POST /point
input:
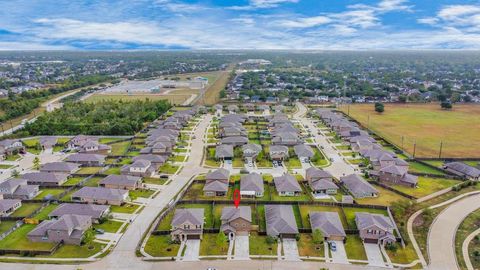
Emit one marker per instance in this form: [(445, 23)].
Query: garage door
[(371, 241), (195, 236)]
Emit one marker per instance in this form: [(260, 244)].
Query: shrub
[(271, 240)]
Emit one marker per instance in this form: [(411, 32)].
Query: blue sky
[(239, 24)]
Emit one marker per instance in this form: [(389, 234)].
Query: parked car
[(333, 246)]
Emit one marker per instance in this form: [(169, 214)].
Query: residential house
[(45, 179), (320, 181), (68, 229), (87, 159), (155, 160), (329, 224), (303, 151), (187, 224), (395, 175), (286, 138), (95, 211), (251, 151), (78, 141), (101, 195), (463, 170), (121, 182), (216, 183), (234, 140), (224, 152), (232, 109), (232, 131), (18, 189), (358, 187), (251, 185), (8, 206), (9, 147), (280, 221), (60, 167), (278, 152), (47, 142), (140, 167), (374, 228), (287, 185), (236, 220), (93, 147)]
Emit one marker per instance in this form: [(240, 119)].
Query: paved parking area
[(242, 249), (340, 255), (290, 250), (374, 255), (192, 249)]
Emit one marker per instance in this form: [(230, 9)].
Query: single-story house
[(278, 152), (101, 195), (224, 151), (280, 221), (251, 185), (251, 150), (303, 151), (140, 167), (45, 179), (121, 182), (287, 185), (8, 206), (94, 211), (60, 167), (358, 187), (69, 229), (156, 160), (234, 140), (463, 170), (329, 224), (93, 147), (87, 159), (18, 189), (47, 142)]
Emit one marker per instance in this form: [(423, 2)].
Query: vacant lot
[(426, 124), (175, 96)]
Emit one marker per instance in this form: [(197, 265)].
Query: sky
[(239, 24)]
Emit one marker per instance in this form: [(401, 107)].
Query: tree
[(270, 240), (402, 98), (223, 94), (379, 107), (316, 157), (15, 174), (36, 163), (221, 239), (446, 105), (317, 236)]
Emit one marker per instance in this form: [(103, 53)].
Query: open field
[(177, 98), (215, 86), (426, 124)]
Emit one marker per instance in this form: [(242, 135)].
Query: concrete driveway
[(192, 249), (290, 250), (374, 255), (242, 249), (340, 255)]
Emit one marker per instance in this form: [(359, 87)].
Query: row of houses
[(188, 223), (386, 167)]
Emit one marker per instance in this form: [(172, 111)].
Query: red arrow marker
[(236, 198)]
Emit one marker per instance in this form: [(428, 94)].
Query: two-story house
[(187, 224)]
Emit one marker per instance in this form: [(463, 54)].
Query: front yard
[(259, 246), (161, 246)]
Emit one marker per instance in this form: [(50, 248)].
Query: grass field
[(426, 186), (426, 124), (177, 98), (215, 86), (160, 246)]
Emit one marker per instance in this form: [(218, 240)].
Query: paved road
[(465, 245), (441, 237), (339, 166)]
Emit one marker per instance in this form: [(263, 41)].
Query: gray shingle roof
[(287, 183), (365, 220), (45, 177), (218, 174), (323, 184), (86, 158), (357, 185), (101, 193), (60, 166), (94, 211), (280, 220), (463, 169), (303, 150), (194, 216), (231, 213), (7, 204), (125, 180), (328, 223), (314, 173), (251, 182), (224, 151)]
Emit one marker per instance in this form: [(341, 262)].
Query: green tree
[(36, 163), (446, 105), (317, 236), (221, 239), (223, 93), (15, 174), (379, 107)]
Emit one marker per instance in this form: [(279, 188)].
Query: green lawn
[(109, 140), (73, 181), (306, 247), (177, 158), (126, 208), (208, 245), (68, 196), (144, 193), (93, 182), (264, 163), (165, 223), (89, 170), (321, 161), (161, 246), (26, 209), (168, 168), (207, 212), (155, 181), (113, 170), (120, 148), (110, 226), (6, 225), (31, 142), (5, 166), (421, 168), (293, 163), (403, 255), (426, 186), (302, 197), (468, 225), (49, 191), (18, 240), (33, 150), (306, 209), (12, 157), (74, 251), (354, 248), (259, 246), (385, 197), (238, 162), (42, 215)]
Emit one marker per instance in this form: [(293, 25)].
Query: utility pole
[(440, 152), (348, 109), (402, 142)]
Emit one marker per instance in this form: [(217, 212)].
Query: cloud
[(257, 4), (180, 7), (462, 18), (305, 22)]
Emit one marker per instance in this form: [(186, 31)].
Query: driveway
[(290, 250), (340, 255), (374, 254), (242, 251), (192, 249)]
